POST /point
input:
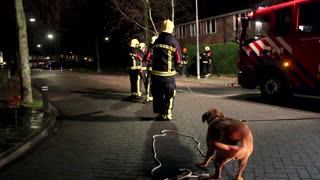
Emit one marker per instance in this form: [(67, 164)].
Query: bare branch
[(129, 18)]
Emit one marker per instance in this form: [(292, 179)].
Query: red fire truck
[(280, 49)]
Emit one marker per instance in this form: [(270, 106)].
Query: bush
[(225, 57), (3, 77)]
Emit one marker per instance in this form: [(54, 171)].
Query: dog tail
[(226, 147)]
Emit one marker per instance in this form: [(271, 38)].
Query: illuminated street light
[(107, 38), (50, 36), (38, 45), (32, 20)]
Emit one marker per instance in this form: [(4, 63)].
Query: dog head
[(211, 114)]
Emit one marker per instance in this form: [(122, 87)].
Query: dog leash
[(191, 92), (187, 173)]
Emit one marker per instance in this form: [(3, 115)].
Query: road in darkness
[(103, 136)]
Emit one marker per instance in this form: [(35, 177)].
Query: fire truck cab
[(280, 49)]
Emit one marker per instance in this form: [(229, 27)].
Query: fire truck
[(280, 49)]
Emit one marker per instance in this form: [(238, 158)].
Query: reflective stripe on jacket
[(166, 52), (206, 57), (134, 59)]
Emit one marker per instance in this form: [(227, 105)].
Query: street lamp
[(32, 20), (51, 37), (197, 32)]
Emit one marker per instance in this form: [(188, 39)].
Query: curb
[(211, 81), (18, 150)]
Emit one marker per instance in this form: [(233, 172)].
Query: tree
[(147, 15), (57, 10), (23, 53), (52, 12)]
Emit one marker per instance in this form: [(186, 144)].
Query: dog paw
[(202, 165)]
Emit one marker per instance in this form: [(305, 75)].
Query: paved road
[(102, 136)]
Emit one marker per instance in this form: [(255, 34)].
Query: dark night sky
[(85, 16), (217, 7)]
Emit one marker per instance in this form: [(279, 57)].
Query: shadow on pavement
[(295, 102), (95, 117), (172, 150), (102, 94)]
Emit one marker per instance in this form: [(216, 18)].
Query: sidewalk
[(216, 80), (22, 128)]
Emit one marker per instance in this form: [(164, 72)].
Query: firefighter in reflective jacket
[(206, 59), (143, 68), (166, 52), (134, 65), (148, 59), (184, 63)]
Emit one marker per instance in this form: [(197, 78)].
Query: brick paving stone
[(117, 144)]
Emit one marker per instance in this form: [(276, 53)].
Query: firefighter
[(166, 53), (148, 59), (134, 65), (143, 69), (184, 63), (206, 59)]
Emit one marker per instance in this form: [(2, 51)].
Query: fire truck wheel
[(273, 86)]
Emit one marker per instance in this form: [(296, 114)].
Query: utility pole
[(197, 32), (97, 55)]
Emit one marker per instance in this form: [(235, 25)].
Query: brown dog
[(232, 139)]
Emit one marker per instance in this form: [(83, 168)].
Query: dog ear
[(205, 116), (220, 113)]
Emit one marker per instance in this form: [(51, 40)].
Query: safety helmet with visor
[(167, 26), (134, 43)]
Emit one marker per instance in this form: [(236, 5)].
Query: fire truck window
[(309, 17), (283, 21), (260, 28)]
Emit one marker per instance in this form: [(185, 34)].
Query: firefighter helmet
[(142, 45), (184, 50), (167, 26), (134, 43), (207, 48)]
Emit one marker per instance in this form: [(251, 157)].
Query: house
[(219, 29)]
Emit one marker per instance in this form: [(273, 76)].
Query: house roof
[(217, 16), (209, 8)]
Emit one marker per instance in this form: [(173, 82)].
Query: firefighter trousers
[(149, 94), (143, 77), (135, 82), (163, 89), (206, 68)]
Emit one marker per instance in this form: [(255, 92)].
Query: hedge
[(3, 77), (225, 57)]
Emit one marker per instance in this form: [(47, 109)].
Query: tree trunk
[(172, 10), (97, 55), (146, 23), (24, 52)]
